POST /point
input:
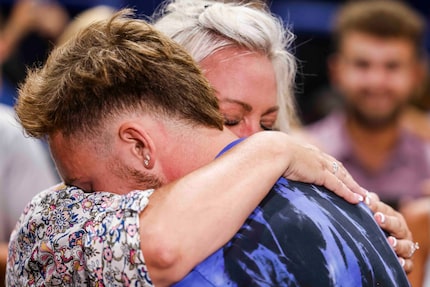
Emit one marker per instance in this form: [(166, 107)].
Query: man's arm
[(208, 206)]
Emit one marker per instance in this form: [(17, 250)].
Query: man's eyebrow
[(246, 106)]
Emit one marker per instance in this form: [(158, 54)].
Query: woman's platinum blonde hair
[(204, 27)]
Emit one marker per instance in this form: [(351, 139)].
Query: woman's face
[(245, 85)]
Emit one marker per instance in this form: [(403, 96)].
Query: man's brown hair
[(380, 18), (121, 65)]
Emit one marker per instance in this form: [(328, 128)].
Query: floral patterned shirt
[(66, 237)]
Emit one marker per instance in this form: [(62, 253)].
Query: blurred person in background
[(377, 68), (25, 167), (27, 34), (83, 19)]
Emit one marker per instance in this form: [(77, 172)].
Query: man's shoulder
[(327, 125), (55, 228), (303, 196), (39, 200), (43, 219), (51, 212), (301, 226), (77, 206), (415, 148), (328, 133)]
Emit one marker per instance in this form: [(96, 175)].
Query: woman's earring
[(147, 160)]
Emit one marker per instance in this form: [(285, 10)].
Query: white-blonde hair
[(204, 27)]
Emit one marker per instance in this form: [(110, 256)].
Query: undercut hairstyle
[(111, 67), (205, 27), (382, 19)]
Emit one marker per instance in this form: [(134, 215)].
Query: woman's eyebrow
[(246, 106)]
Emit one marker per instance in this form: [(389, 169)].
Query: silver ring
[(414, 247), (335, 166)]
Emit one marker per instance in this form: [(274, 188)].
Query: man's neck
[(191, 149)]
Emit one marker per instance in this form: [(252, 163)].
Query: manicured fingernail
[(402, 262), (380, 217), (368, 198), (359, 197), (393, 241)]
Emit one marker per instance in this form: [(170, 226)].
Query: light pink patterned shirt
[(66, 237)]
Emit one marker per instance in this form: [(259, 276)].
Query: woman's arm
[(208, 206)]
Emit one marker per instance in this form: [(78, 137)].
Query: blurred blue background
[(309, 20)]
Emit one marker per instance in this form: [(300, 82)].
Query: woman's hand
[(309, 164), (394, 224)]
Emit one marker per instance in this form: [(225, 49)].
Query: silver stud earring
[(147, 160)]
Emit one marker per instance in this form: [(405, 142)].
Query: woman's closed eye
[(266, 128), (267, 122), (231, 122), (233, 117)]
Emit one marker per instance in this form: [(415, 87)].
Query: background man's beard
[(371, 122)]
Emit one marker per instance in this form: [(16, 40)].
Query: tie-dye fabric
[(303, 235)]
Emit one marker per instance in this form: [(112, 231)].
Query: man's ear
[(138, 142)]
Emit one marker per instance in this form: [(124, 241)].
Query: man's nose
[(377, 77)]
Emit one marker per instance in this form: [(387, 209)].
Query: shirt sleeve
[(112, 244), (66, 237)]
